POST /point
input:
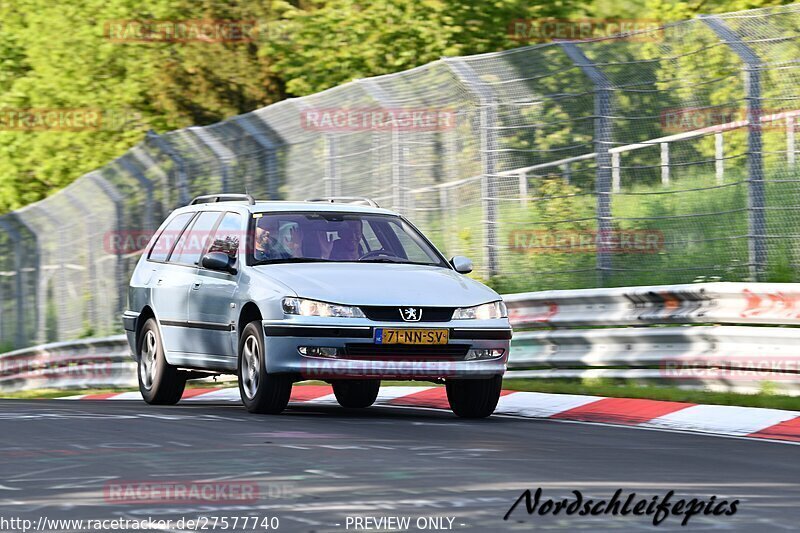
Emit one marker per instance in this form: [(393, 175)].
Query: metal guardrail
[(85, 363), (703, 334), (709, 335), (698, 303)]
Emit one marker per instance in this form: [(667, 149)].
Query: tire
[(356, 393), (474, 398), (260, 391), (159, 382)]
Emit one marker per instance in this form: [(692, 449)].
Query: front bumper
[(284, 338)]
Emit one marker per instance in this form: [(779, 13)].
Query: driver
[(347, 247)]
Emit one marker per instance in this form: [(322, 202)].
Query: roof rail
[(213, 198), (345, 200)]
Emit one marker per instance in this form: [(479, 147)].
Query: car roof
[(277, 206)]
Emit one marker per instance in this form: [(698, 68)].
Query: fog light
[(484, 353), (318, 351)]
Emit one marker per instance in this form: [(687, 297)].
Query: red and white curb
[(748, 422)]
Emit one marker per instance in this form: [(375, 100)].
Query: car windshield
[(338, 237)]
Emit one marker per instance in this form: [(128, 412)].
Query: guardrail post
[(180, 168), (19, 296), (755, 165), (603, 139), (488, 146)]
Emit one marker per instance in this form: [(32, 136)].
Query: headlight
[(303, 307), (482, 312)]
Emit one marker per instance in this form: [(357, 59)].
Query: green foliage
[(57, 55)]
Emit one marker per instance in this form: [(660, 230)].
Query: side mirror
[(218, 261), (462, 264)]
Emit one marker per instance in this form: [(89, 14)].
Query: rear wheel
[(356, 392), (159, 382), (261, 391), (474, 398)]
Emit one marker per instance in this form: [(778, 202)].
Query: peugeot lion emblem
[(411, 314)]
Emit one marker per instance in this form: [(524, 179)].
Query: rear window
[(166, 239)]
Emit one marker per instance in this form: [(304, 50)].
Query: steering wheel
[(376, 253)]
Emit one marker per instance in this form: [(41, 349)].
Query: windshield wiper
[(398, 261), (290, 260)]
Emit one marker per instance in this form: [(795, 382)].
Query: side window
[(228, 235), (194, 240), (166, 239)]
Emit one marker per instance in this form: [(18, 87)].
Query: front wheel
[(474, 398), (356, 393), (159, 382), (261, 392)]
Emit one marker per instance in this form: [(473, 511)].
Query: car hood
[(379, 284)]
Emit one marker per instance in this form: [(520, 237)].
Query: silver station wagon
[(333, 289)]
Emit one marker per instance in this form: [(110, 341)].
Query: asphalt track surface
[(315, 466)]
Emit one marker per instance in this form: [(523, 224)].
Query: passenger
[(347, 247), (291, 237), (325, 243), (267, 246)]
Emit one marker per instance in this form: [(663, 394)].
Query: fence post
[(19, 253), (398, 185), (791, 155), (134, 171), (523, 188), (755, 165), (180, 168), (220, 151), (566, 171), (91, 275), (269, 147), (719, 158), (331, 178), (488, 146), (116, 198), (603, 139), (665, 164)]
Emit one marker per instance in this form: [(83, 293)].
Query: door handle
[(196, 285), (159, 282)]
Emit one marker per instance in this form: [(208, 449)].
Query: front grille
[(363, 350), (392, 314)]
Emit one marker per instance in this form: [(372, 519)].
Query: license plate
[(411, 336)]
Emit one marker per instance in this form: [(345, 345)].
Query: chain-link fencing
[(658, 157)]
